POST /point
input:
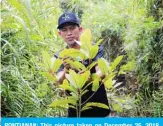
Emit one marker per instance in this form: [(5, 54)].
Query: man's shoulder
[(101, 47)]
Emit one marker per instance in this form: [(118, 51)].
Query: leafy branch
[(79, 76)]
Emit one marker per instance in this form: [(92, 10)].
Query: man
[(70, 30)]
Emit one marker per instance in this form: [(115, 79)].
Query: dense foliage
[(130, 27)]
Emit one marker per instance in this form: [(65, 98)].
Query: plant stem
[(80, 104), (86, 86), (91, 95), (77, 110)]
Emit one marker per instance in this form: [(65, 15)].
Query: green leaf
[(103, 66), (117, 107), (95, 85), (86, 108), (109, 83), (75, 95), (59, 103), (93, 51), (16, 4), (76, 65), (86, 37), (86, 43), (74, 53), (77, 80), (128, 67), (91, 65), (85, 52), (99, 42), (71, 80), (94, 104), (85, 91), (73, 77), (95, 82), (49, 76), (66, 86), (72, 100), (56, 64), (111, 75), (71, 106), (83, 78), (79, 66), (116, 62), (63, 102)]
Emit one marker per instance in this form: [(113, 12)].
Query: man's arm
[(99, 55), (61, 75), (62, 72)]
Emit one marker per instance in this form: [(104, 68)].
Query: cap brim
[(62, 25)]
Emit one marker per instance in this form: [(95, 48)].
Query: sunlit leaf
[(86, 37), (111, 75), (95, 82), (56, 65), (84, 92), (75, 77), (103, 65), (117, 107), (66, 86), (71, 80), (16, 4), (86, 53), (79, 65), (74, 53), (99, 42), (116, 62), (49, 76), (83, 78), (72, 100), (91, 65), (94, 51), (128, 67), (76, 65), (59, 103), (63, 102), (94, 104), (86, 108), (95, 85), (109, 83)]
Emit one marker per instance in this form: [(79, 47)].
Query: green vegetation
[(133, 28)]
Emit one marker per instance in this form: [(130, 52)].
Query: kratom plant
[(79, 76)]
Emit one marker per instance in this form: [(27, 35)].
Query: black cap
[(67, 17)]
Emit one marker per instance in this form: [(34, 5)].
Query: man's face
[(70, 33)]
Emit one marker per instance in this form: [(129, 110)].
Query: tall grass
[(27, 29)]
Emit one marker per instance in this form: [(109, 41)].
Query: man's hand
[(61, 74), (66, 64)]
